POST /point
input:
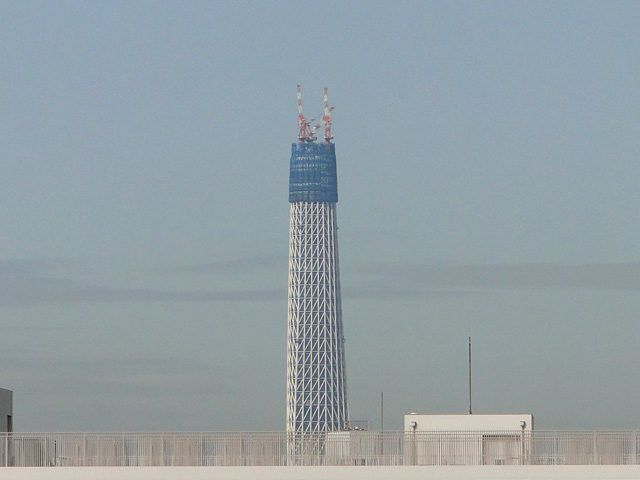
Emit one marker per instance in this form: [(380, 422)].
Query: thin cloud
[(57, 291), (381, 290), (131, 375), (244, 264), (26, 284), (27, 268), (605, 276)]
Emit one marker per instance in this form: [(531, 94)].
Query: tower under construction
[(316, 377)]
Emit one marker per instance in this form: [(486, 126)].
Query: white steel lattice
[(316, 377)]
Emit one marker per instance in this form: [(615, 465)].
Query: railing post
[(349, 448), (162, 460)]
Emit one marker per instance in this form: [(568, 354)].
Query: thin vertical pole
[(382, 411), (382, 461), (469, 375)]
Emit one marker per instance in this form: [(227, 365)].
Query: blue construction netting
[(312, 173)]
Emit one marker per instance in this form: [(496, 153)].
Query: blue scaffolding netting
[(312, 173)]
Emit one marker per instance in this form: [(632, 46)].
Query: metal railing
[(331, 448)]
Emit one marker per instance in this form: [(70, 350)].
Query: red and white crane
[(307, 133), (326, 119)]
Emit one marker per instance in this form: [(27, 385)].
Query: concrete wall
[(565, 472), (6, 410), (446, 423)]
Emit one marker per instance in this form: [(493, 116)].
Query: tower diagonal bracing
[(316, 377)]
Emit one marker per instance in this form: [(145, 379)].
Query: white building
[(467, 439), (457, 423)]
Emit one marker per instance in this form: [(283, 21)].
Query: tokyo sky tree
[(316, 377)]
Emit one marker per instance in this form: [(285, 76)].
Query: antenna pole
[(469, 375), (382, 411)]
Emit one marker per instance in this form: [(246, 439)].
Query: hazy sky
[(488, 173)]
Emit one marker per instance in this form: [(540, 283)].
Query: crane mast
[(306, 132), (326, 119)]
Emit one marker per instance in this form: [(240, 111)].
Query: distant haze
[(488, 177)]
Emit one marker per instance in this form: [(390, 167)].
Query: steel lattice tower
[(316, 377)]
